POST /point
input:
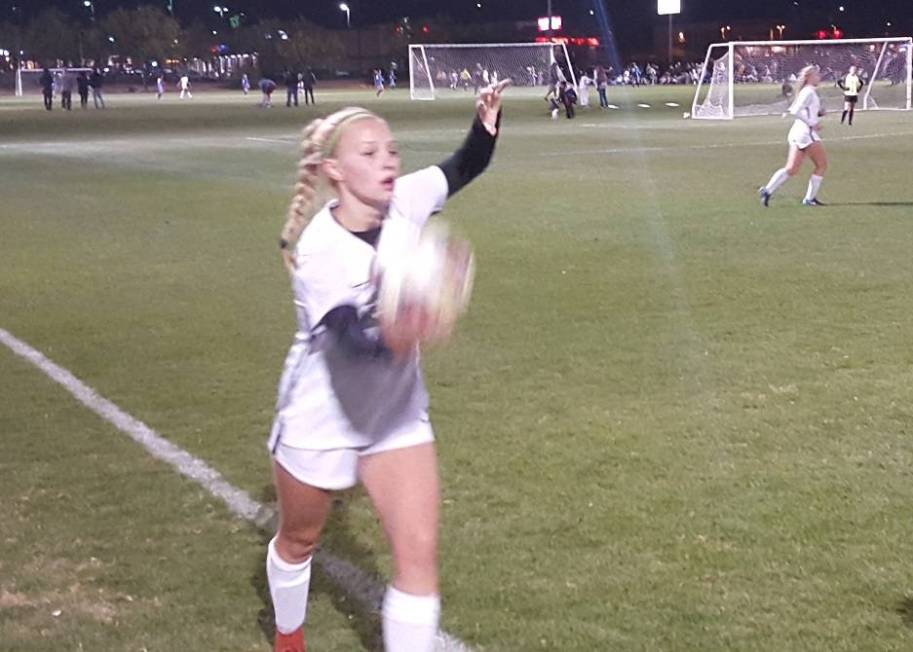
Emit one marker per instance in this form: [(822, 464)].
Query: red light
[(590, 41), (822, 35), (838, 33), (425, 29)]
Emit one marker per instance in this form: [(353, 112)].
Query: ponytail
[(318, 141)]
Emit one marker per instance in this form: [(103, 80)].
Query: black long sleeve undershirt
[(472, 158)]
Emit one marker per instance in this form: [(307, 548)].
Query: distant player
[(184, 85), (378, 82), (352, 406), (245, 84), (804, 140), (567, 96), (267, 86), (851, 85), (583, 92), (160, 86)]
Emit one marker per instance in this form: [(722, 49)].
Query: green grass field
[(672, 420)]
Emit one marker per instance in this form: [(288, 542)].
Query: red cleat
[(293, 642)]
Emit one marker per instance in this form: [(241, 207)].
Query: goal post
[(436, 68), (27, 78), (755, 78)]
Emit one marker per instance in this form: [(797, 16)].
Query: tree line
[(147, 34)]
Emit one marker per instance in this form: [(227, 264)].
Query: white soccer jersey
[(329, 398), (807, 105)]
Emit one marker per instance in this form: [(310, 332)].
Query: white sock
[(410, 621), (814, 185), (778, 179), (288, 586)]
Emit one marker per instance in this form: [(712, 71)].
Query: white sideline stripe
[(353, 580), (284, 141), (673, 148)]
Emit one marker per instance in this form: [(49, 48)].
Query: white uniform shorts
[(802, 136), (337, 468)]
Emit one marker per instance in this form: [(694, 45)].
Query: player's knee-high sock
[(814, 185), (288, 586), (852, 112), (778, 179), (843, 117), (410, 621)]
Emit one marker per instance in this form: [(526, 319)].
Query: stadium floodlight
[(219, 9), (754, 78), (344, 7), (669, 8)]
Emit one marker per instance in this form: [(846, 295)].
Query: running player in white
[(352, 406), (804, 140), (184, 85), (850, 85)]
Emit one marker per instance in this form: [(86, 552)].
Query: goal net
[(440, 70), (759, 77), (28, 80)]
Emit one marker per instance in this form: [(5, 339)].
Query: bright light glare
[(666, 7)]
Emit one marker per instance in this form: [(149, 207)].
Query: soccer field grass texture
[(671, 421)]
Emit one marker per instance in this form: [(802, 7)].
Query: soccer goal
[(752, 78), (28, 80), (436, 69)]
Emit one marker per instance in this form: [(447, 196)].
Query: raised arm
[(474, 155)]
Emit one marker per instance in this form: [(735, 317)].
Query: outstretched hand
[(489, 105)]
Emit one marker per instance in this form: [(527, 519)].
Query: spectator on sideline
[(291, 88), (47, 88), (245, 84), (82, 85), (309, 80), (602, 82), (67, 84), (97, 81)]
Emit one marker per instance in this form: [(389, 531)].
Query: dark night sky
[(861, 18)]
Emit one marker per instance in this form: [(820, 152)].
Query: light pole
[(345, 7), (780, 28), (220, 10), (88, 4)]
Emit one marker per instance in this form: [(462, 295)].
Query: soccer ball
[(430, 283)]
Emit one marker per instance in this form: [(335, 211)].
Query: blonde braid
[(318, 141)]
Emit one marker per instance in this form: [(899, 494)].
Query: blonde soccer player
[(804, 140), (352, 406), (851, 84)]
